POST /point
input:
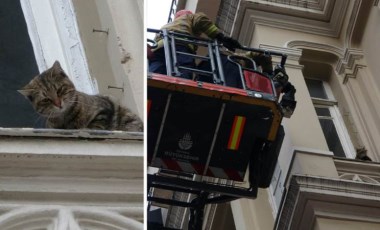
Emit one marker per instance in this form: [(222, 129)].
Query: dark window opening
[(326, 119), (17, 67), (316, 89)]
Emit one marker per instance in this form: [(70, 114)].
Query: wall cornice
[(349, 60), (311, 197), (350, 64), (316, 46), (322, 18)]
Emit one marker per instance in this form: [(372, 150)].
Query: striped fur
[(53, 95)]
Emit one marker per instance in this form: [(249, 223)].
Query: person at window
[(193, 24)]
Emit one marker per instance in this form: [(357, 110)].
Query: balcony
[(352, 200)]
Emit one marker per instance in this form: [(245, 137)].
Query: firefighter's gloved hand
[(228, 42), (266, 63), (280, 75), (288, 107)]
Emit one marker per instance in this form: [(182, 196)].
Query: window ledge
[(324, 101), (71, 133), (28, 142)]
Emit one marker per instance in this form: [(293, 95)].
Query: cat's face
[(51, 92)]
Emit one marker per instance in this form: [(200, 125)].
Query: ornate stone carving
[(359, 178), (55, 35), (324, 17), (54, 217), (71, 42)]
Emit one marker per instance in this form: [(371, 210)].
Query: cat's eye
[(61, 91), (46, 100)]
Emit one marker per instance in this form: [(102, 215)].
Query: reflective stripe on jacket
[(191, 24)]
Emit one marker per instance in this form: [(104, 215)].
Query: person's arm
[(202, 24)]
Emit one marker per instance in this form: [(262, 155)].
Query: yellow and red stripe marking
[(236, 132)]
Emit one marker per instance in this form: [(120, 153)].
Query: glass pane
[(316, 88), (332, 138), (323, 112)]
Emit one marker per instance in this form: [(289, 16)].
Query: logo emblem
[(185, 143)]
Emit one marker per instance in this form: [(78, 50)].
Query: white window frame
[(337, 118), (54, 34), (277, 183)]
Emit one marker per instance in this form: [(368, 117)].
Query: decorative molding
[(54, 217), (357, 167), (350, 60), (316, 46), (63, 11), (54, 35), (352, 22), (33, 34), (309, 197), (39, 173), (317, 5), (359, 178), (326, 21), (353, 73), (350, 64)]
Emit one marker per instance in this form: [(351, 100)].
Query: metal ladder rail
[(170, 54), (233, 59), (212, 56), (271, 53)]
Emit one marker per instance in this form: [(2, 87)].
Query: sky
[(157, 12)]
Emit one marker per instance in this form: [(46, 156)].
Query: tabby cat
[(54, 96)]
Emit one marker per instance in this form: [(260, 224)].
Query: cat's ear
[(27, 93), (57, 69)]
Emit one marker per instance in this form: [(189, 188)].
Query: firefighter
[(193, 24), (282, 85)]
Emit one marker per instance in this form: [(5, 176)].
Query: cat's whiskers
[(48, 117)]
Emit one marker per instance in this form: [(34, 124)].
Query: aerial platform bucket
[(207, 129)]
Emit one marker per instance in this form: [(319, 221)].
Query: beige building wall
[(113, 37), (324, 223), (355, 87)]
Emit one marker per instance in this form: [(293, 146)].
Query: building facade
[(71, 179), (324, 178)]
